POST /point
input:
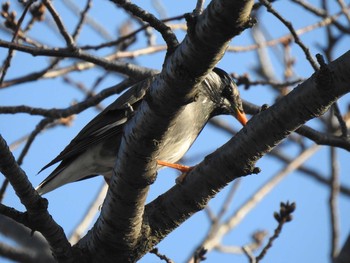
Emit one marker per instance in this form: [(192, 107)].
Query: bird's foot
[(184, 169)]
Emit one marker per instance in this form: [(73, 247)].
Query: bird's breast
[(175, 147), (181, 135)]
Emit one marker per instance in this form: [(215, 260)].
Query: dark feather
[(102, 126)]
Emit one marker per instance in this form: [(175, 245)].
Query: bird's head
[(225, 95)]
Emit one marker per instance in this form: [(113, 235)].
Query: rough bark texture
[(115, 234), (238, 157), (37, 217)]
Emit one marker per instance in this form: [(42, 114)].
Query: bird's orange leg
[(182, 168)]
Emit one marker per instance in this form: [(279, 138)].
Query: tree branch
[(24, 237), (128, 69), (36, 206), (238, 157), (202, 48), (344, 254)]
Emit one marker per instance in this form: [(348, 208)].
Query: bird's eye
[(227, 92)]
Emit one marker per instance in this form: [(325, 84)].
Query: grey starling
[(94, 150)]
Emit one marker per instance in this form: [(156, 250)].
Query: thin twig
[(290, 27), (249, 254), (89, 215), (90, 21), (52, 72), (199, 8), (119, 66), (82, 19), (333, 204), (31, 76), (326, 21), (67, 37), (212, 240), (342, 123), (324, 138), (284, 216), (309, 7), (16, 254), (161, 256), (229, 199), (3, 188), (210, 214), (311, 173), (10, 51), (322, 13), (344, 9), (167, 34), (130, 35), (80, 86), (160, 8), (41, 125), (264, 66), (74, 109), (244, 80), (29, 139), (257, 241)]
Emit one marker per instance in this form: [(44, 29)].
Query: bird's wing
[(108, 123)]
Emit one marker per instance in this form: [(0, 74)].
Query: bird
[(94, 150)]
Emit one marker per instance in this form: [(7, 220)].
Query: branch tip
[(324, 76), (256, 170)]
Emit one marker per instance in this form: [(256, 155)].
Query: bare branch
[(284, 216), (333, 204), (81, 229), (77, 108), (328, 20), (36, 207), (199, 7), (67, 37), (213, 238), (122, 67), (16, 254), (165, 31), (289, 25), (90, 21), (10, 50), (186, 67), (160, 256)]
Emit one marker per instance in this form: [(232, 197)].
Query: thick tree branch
[(33, 242), (36, 206), (238, 157), (215, 235), (183, 71), (22, 235), (16, 254), (322, 138)]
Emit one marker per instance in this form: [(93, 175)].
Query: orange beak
[(241, 117)]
